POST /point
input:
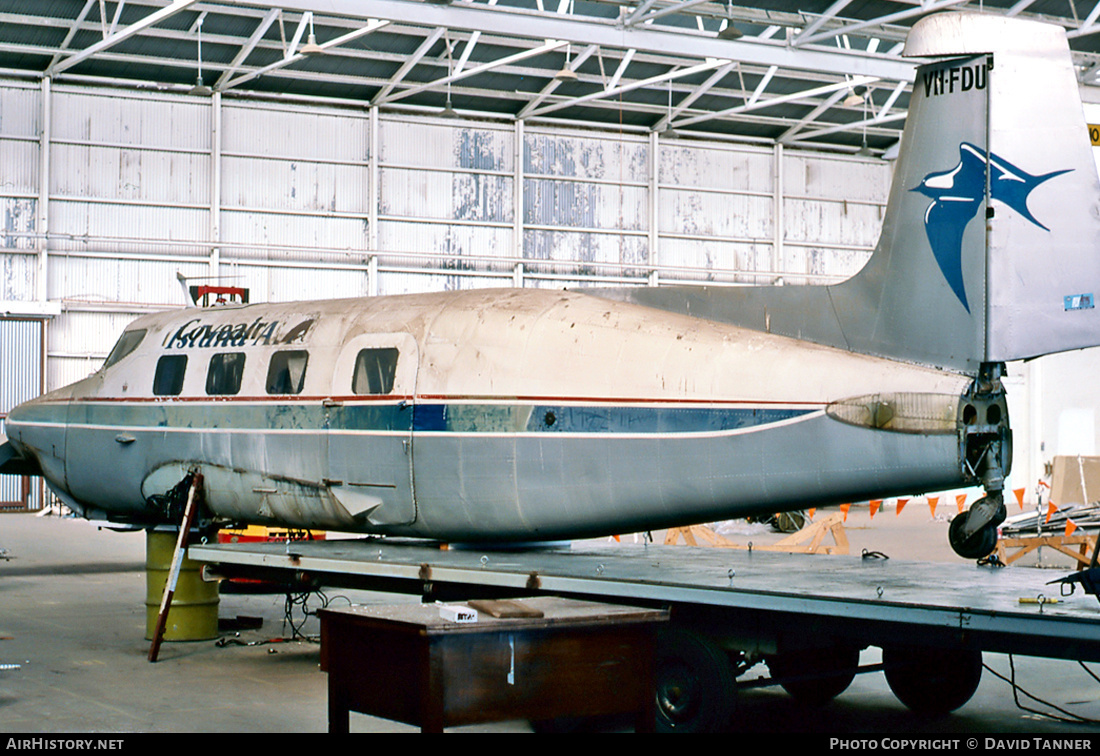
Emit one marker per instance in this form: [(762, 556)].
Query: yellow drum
[(194, 612)]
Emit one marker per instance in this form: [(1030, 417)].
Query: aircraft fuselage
[(488, 415)]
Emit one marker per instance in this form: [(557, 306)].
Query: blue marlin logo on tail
[(956, 196)]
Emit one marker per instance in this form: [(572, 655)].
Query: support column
[(42, 221), (373, 202), (215, 184), (654, 207), (777, 222), (517, 203)]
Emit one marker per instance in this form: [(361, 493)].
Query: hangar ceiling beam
[(372, 25), (1019, 7), (409, 64), (548, 90), (760, 104), (73, 29), (788, 136), (828, 15), (610, 34), (889, 18), (675, 74), (696, 93), (248, 47), (1088, 26), (135, 28), (855, 125), (677, 8), (549, 46)]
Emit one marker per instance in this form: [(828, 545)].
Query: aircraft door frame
[(370, 434)]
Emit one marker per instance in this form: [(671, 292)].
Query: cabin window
[(168, 380), (225, 373), (374, 371), (287, 372), (127, 343)]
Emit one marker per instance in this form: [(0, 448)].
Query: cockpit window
[(225, 373), (286, 374), (374, 371), (127, 343), (168, 380)]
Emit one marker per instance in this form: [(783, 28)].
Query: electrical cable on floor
[(1069, 717), (291, 601), (300, 599)]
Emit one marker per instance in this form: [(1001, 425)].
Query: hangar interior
[(316, 150)]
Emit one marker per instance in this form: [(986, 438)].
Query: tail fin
[(990, 247)]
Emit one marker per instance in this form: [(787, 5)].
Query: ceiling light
[(566, 73), (200, 89), (448, 111), (311, 47), (853, 100), (730, 32)]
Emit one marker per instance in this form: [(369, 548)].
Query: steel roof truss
[(549, 46), (372, 25), (121, 36), (248, 47)]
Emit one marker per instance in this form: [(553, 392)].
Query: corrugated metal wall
[(20, 107), (20, 380), (300, 201)]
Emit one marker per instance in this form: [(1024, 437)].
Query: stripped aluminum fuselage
[(513, 415)]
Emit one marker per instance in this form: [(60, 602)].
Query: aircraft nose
[(26, 420)]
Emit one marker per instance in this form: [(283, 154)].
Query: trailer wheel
[(815, 676), (932, 680), (694, 683)]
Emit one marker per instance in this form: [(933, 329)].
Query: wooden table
[(407, 663)]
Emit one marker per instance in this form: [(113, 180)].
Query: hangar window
[(374, 371), (225, 373), (287, 372), (168, 380), (127, 343)]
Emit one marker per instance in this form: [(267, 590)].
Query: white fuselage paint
[(513, 414)]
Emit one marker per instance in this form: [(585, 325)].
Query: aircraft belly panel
[(370, 474), (524, 486)]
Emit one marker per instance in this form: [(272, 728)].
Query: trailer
[(807, 617)]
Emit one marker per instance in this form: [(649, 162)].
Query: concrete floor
[(73, 654)]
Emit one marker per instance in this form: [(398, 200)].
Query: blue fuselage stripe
[(436, 417)]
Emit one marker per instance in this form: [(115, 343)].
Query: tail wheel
[(932, 680), (694, 683), (815, 676)]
